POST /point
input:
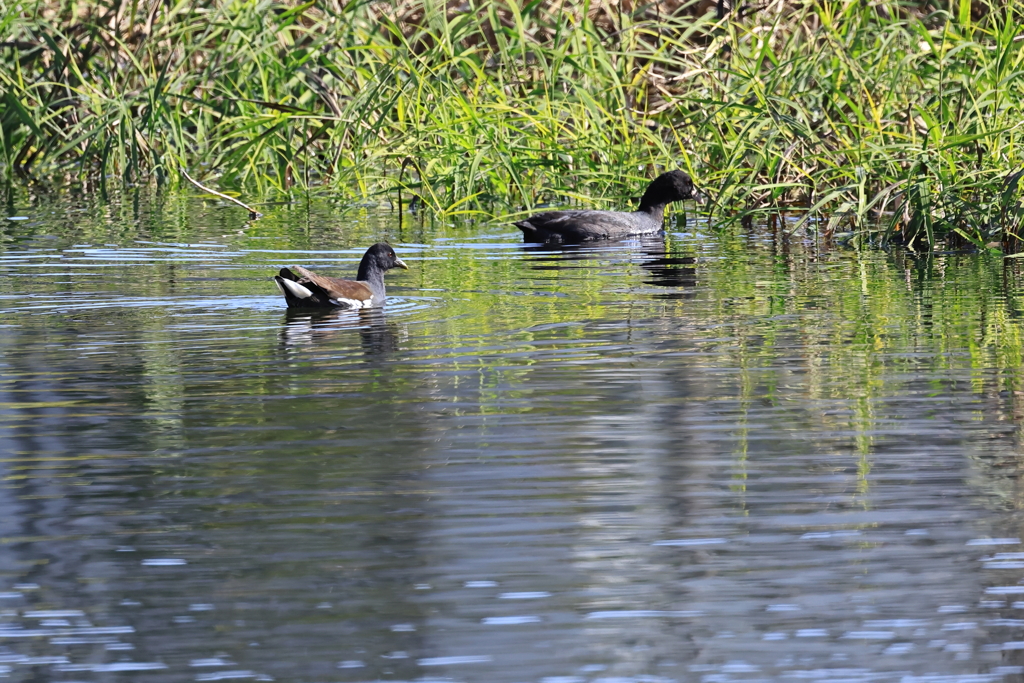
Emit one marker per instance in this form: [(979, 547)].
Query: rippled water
[(718, 457)]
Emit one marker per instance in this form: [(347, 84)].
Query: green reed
[(864, 117), (912, 122)]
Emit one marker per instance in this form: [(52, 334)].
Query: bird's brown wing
[(338, 288)]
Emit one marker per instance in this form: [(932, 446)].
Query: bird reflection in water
[(665, 267), (670, 270), (307, 328)]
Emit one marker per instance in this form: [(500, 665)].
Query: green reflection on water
[(849, 319)]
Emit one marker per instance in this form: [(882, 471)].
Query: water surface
[(717, 457)]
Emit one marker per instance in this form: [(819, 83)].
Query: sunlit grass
[(880, 120)]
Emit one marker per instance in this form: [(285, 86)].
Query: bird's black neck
[(652, 203), (655, 211), (367, 272)]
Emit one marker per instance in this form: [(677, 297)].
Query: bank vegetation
[(900, 122)]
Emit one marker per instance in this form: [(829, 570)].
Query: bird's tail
[(295, 294)]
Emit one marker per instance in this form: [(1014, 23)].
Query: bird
[(319, 291), (585, 225)]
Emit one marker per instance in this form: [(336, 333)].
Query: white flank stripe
[(353, 303)]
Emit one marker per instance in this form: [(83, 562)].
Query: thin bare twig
[(253, 213)]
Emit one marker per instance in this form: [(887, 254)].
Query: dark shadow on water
[(307, 328), (556, 256), (653, 254), (668, 269)]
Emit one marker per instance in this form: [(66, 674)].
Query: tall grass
[(863, 115), (914, 121)]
